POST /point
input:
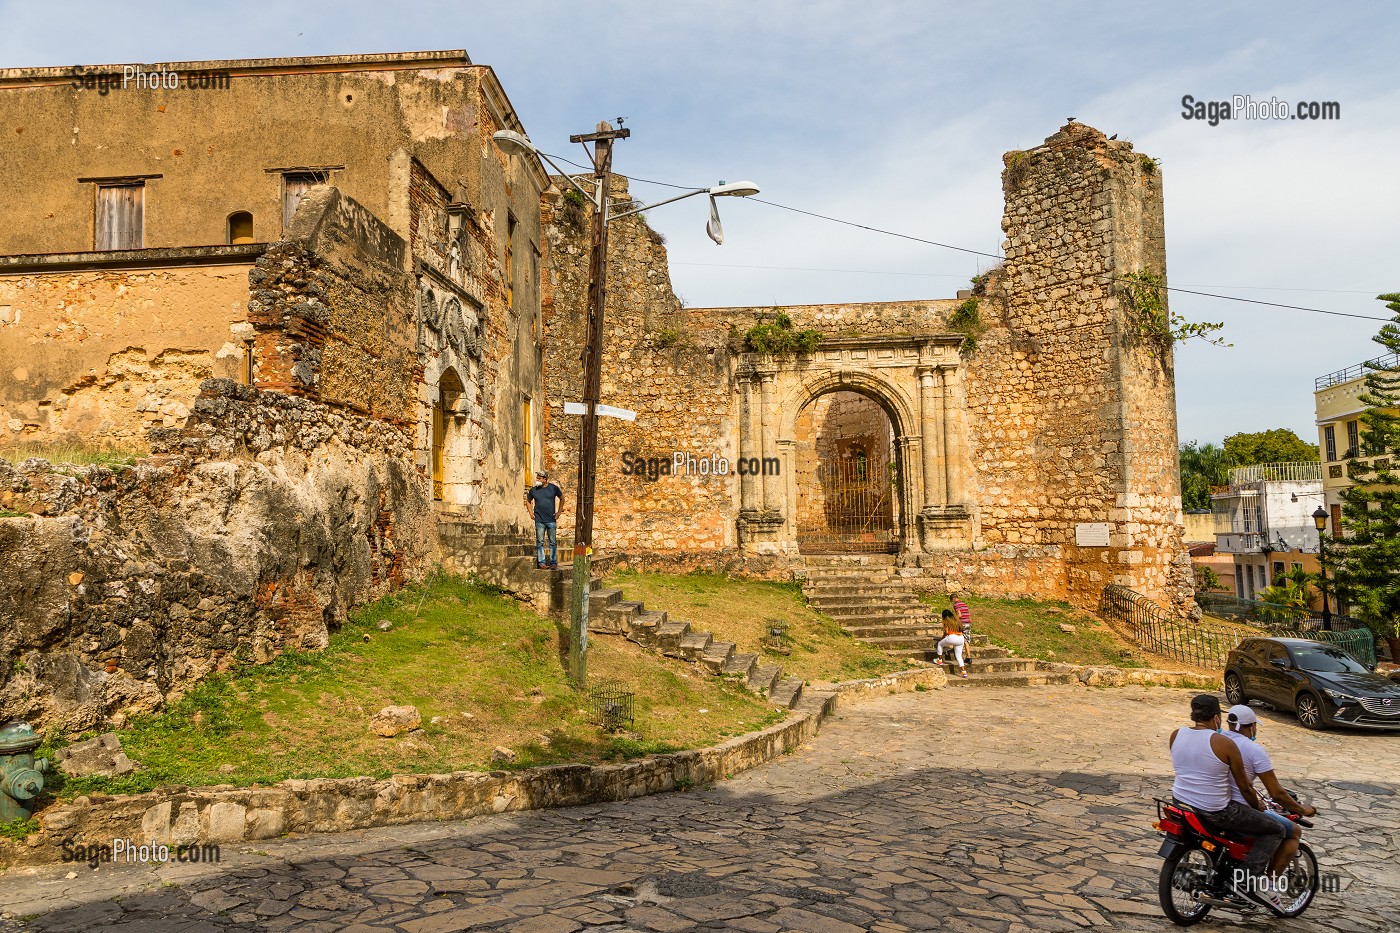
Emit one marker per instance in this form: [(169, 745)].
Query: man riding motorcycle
[(1244, 730), (1207, 766)]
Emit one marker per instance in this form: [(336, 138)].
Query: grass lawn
[(740, 611), (59, 453), (488, 669)]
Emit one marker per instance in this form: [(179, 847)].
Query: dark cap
[(1204, 706)]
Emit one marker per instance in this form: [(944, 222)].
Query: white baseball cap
[(1242, 715)]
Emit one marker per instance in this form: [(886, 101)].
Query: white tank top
[(1202, 779)]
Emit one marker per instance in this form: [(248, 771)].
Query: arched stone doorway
[(449, 458), (847, 477)]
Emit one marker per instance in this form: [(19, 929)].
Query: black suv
[(1323, 684)]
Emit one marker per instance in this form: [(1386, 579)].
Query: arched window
[(240, 227)]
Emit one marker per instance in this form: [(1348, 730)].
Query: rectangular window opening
[(1329, 438), (294, 188)]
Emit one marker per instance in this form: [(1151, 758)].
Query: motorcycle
[(1200, 862)]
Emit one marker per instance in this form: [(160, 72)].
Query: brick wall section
[(333, 311)]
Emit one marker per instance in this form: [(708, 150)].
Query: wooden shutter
[(294, 188), (120, 216)]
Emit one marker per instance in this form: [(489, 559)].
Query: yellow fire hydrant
[(21, 776)]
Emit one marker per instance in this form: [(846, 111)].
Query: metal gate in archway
[(859, 508)]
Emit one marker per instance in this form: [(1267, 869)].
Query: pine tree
[(1365, 561)]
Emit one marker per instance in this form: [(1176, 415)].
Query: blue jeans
[(543, 529)]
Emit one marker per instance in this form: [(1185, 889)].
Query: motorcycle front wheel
[(1184, 874), (1303, 880)]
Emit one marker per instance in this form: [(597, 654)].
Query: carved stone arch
[(897, 404)]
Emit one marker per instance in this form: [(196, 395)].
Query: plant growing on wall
[(1144, 293), (1365, 561), (1017, 167), (780, 335), (966, 319)]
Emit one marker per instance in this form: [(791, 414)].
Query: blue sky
[(895, 115)]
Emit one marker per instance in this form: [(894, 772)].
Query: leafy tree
[(1365, 561), (1277, 446), (1202, 466), (1292, 589)]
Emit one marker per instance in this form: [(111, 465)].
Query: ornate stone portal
[(914, 380)]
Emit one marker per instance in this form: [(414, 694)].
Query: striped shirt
[(964, 613)]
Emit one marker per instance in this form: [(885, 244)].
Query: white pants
[(956, 643)]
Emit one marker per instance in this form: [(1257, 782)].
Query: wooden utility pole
[(602, 141)]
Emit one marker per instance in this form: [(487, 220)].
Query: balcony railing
[(1355, 372), (1279, 472), (1238, 542)]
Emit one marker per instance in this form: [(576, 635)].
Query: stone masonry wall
[(674, 374), (1060, 416), (254, 529), (1094, 400)]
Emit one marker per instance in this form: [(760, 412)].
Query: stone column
[(748, 497), (952, 474), (931, 427), (772, 485), (906, 447)]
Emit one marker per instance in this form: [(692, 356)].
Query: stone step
[(1012, 679), (763, 678), (873, 615), (717, 656), (617, 617), (980, 664), (741, 664), (854, 587), (787, 692), (894, 630), (693, 645), (669, 635), (844, 602), (927, 642), (826, 561), (644, 625), (600, 599)]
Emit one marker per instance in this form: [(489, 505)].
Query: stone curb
[(224, 814), (1104, 676)]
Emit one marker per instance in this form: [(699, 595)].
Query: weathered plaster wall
[(105, 354), (255, 529)]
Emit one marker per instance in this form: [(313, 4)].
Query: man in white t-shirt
[(1244, 727)]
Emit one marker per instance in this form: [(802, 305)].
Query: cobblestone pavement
[(1017, 809)]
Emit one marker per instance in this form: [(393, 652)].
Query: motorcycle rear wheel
[(1184, 874)]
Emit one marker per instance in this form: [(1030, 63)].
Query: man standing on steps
[(546, 502)]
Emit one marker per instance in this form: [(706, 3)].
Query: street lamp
[(1320, 520), (513, 143)]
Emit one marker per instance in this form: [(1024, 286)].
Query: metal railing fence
[(1207, 643)]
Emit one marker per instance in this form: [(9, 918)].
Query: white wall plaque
[(1091, 534)]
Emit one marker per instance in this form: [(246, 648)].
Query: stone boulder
[(99, 757), (1102, 677), (395, 720)]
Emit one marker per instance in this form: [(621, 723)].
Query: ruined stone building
[(337, 326), (1020, 440), (311, 288)]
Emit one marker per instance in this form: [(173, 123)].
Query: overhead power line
[(1000, 257)]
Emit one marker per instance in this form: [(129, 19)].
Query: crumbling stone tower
[(1083, 370)]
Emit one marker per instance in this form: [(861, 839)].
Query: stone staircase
[(866, 595), (609, 613)]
